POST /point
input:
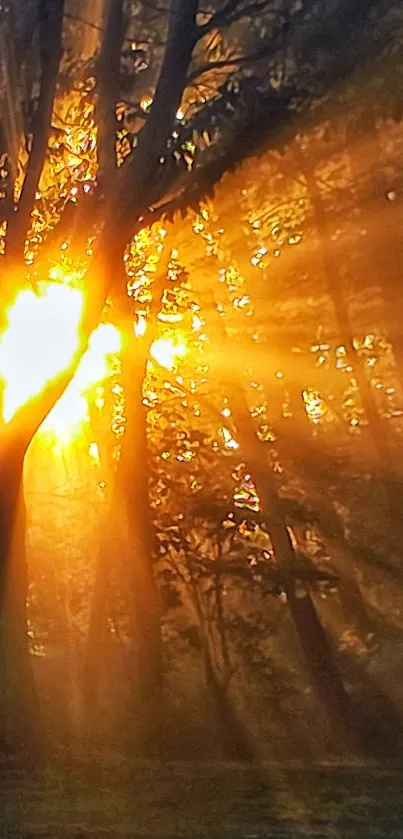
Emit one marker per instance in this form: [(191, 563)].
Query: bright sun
[(40, 341)]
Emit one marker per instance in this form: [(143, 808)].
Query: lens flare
[(40, 341)]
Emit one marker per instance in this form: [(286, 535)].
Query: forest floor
[(215, 801)]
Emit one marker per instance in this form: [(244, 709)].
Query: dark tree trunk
[(146, 671), (182, 38), (232, 731), (51, 25), (218, 672), (324, 675), (95, 645), (382, 248), (129, 508), (146, 653), (380, 256), (108, 92), (319, 658), (313, 464), (22, 724), (334, 282)]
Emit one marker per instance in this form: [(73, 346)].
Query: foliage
[(129, 199)]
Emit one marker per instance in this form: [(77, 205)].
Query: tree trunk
[(232, 731), (108, 93), (100, 610), (218, 672), (334, 282), (22, 724), (382, 216), (182, 37), (95, 643), (92, 14), (50, 44), (11, 480), (324, 675), (381, 255), (146, 652), (313, 465), (129, 502)]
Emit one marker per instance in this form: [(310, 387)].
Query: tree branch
[(231, 13), (182, 38), (108, 93), (250, 58), (51, 22)]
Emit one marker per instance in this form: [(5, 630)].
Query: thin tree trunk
[(51, 25), (324, 675), (383, 246), (22, 719), (235, 740), (95, 641), (107, 97), (129, 508), (231, 729), (313, 466), (93, 13), (182, 38), (108, 92), (318, 655), (146, 652), (11, 479), (381, 254), (334, 282), (100, 610)]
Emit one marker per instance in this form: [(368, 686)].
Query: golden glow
[(140, 327), (146, 103), (315, 406), (229, 441), (93, 452), (168, 349), (71, 411), (40, 341)]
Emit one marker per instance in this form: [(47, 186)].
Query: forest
[(201, 386)]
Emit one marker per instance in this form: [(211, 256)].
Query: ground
[(171, 801)]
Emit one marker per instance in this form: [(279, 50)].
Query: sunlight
[(168, 349), (72, 410), (315, 406), (40, 341)]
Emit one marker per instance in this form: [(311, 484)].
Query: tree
[(172, 149)]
